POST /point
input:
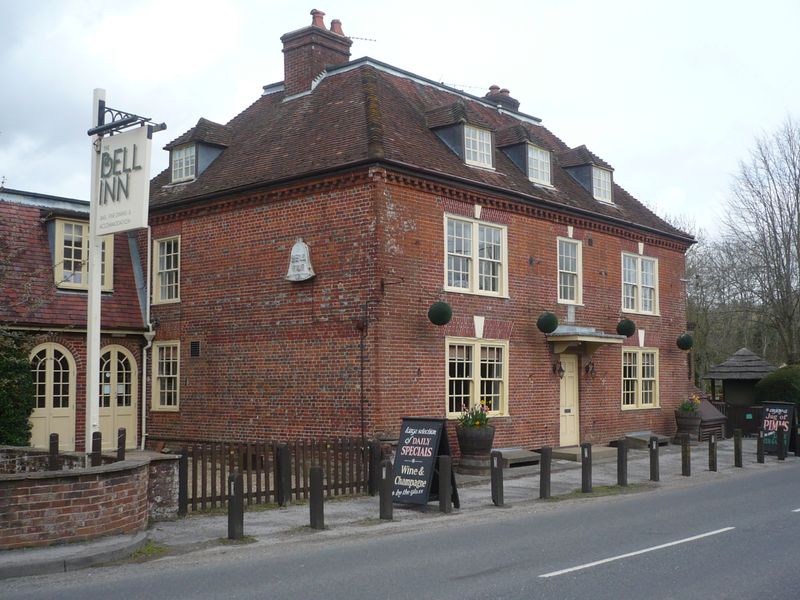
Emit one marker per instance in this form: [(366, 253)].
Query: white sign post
[(120, 193)]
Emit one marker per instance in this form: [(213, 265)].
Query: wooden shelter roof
[(742, 364)]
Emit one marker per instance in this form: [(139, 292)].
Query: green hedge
[(782, 385), (16, 390)]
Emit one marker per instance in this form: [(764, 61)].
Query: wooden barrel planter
[(687, 423), (476, 447)]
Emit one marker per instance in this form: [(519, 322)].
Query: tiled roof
[(365, 111), (28, 292), (581, 156), (205, 131), (742, 364)]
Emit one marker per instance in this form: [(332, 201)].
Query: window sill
[(480, 166), (630, 408), (164, 409), (570, 303), (641, 314), (474, 293), (541, 184), (161, 302)]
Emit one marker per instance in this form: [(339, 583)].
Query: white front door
[(117, 396), (54, 407), (570, 421)]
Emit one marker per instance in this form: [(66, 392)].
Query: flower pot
[(475, 444), (687, 423)]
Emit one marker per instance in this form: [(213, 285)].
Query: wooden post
[(445, 489), (121, 444), (760, 446), (654, 474), (97, 441), (781, 443), (54, 460), (622, 462), (686, 456), (712, 452), (183, 483), (586, 468), (283, 476), (374, 467), (545, 463), (235, 506), (496, 470), (316, 503), (737, 447), (386, 506)]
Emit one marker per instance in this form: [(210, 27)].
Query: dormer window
[(538, 165), (478, 147), (183, 163), (601, 184)]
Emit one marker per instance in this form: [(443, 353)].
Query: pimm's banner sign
[(775, 415)]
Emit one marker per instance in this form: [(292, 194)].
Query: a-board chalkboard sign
[(778, 414), (416, 475)]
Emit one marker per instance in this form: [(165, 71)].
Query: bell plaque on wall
[(300, 268)]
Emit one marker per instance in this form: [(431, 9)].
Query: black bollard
[(797, 442), (374, 467), (760, 447), (121, 434), (654, 474), (622, 462), (445, 489), (496, 470), (386, 490), (183, 483), (97, 442), (316, 503), (53, 460), (283, 476), (586, 468), (686, 456), (737, 447), (781, 443), (235, 506), (545, 464), (712, 452)]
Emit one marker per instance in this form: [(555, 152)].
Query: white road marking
[(629, 554), (796, 510)]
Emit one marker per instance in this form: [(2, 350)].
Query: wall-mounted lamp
[(589, 369), (558, 369)]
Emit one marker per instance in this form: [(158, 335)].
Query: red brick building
[(405, 193), (44, 242)]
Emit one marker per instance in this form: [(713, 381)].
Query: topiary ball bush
[(685, 341), (547, 322), (440, 313), (782, 385), (626, 327)]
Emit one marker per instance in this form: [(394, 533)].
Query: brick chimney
[(502, 97), (307, 51)]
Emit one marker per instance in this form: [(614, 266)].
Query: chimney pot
[(336, 27), (317, 20), (493, 89), (505, 92)]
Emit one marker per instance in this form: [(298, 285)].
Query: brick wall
[(41, 509), (282, 360)]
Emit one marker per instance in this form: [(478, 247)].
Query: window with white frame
[(639, 378), (167, 269), (478, 146), (476, 257), (166, 376), (538, 165), (72, 256), (477, 373), (183, 163), (601, 184), (639, 284), (570, 277)]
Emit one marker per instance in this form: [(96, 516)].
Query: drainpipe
[(148, 336)]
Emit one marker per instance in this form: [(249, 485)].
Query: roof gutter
[(414, 169)]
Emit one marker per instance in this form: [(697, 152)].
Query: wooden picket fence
[(344, 463)]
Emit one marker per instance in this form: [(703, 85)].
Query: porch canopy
[(587, 339)]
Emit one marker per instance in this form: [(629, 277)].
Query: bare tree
[(761, 239)]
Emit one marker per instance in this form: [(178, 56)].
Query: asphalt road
[(731, 539)]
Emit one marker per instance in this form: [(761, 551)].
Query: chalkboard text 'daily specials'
[(415, 460)]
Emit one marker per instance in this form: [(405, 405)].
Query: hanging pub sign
[(124, 187), (775, 415), (416, 474)]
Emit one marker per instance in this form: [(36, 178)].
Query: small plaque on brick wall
[(300, 268)]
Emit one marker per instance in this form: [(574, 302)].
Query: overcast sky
[(671, 94)]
